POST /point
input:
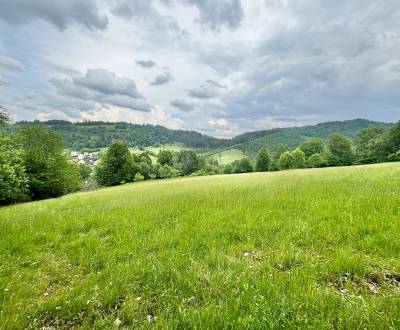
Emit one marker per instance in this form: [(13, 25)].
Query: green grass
[(296, 249), (227, 156)]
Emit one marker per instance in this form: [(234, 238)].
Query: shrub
[(139, 177), (242, 166)]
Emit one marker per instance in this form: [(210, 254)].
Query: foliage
[(340, 150), (311, 147), (13, 178), (50, 172), (165, 157), (228, 169), (317, 160), (394, 138), (298, 159), (139, 177), (84, 171), (115, 166), (4, 116), (188, 162), (286, 161), (263, 161), (368, 146), (242, 166)]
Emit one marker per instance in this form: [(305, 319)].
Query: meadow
[(315, 248)]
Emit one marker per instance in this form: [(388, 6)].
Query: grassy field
[(227, 156), (296, 249)]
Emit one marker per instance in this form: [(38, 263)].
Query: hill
[(251, 143), (293, 249), (91, 135)]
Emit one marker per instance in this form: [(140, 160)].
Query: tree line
[(34, 165)]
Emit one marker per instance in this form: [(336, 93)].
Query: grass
[(227, 156), (296, 249)]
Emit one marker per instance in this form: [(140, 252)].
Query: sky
[(221, 67)]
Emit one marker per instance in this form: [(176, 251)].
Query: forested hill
[(101, 134), (251, 143)]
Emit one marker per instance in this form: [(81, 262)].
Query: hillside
[(293, 249), (92, 135), (251, 143)]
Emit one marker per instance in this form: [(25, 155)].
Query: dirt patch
[(373, 283)]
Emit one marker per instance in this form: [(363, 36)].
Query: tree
[(84, 171), (4, 116), (242, 166), (394, 138), (165, 157), (298, 159), (13, 178), (340, 150), (116, 166), (228, 169), (286, 161), (49, 170), (311, 147), (263, 160), (366, 145), (317, 160), (188, 162)]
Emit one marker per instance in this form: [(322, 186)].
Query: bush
[(317, 160), (139, 177), (311, 147), (165, 157), (188, 162)]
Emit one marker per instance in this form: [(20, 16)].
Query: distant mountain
[(92, 135), (250, 143)]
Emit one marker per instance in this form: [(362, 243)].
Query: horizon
[(222, 68)]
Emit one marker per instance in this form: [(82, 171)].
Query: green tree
[(84, 171), (228, 169), (366, 145), (4, 116), (188, 162), (298, 159), (242, 166), (394, 138), (13, 178), (286, 161), (311, 147), (165, 157), (340, 150), (317, 160), (263, 160), (116, 166), (49, 170)]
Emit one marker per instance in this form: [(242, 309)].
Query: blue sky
[(222, 67)]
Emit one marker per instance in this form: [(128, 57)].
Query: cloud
[(208, 90), (183, 105), (107, 82), (59, 13), (98, 87), (162, 79), (146, 64), (217, 14), (10, 63)]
